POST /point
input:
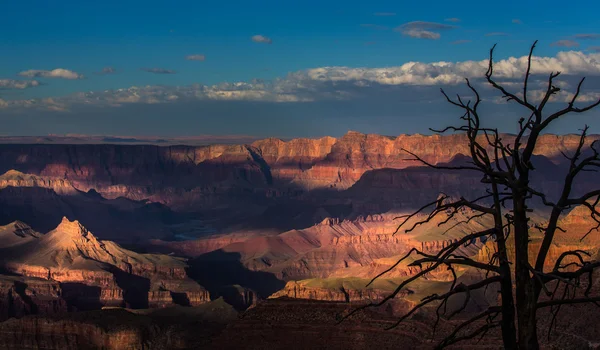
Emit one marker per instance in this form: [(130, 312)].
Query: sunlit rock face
[(92, 273), (304, 290), (144, 171)]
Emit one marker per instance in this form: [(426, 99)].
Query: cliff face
[(580, 226), (67, 333), (303, 290), (21, 296), (140, 171), (355, 153), (102, 166), (13, 178), (269, 184), (94, 273)]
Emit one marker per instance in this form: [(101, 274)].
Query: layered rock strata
[(94, 273)]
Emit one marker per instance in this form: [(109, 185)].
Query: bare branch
[(461, 288), (452, 338), (509, 96), (548, 303)]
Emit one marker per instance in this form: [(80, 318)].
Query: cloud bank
[(411, 80)]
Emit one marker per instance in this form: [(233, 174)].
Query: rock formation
[(93, 273), (14, 178), (20, 296), (141, 171), (310, 290), (15, 234)]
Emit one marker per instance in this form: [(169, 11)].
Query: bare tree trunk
[(509, 331), (508, 306), (525, 288)]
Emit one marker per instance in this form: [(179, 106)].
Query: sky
[(280, 68)]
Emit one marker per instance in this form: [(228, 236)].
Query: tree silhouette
[(505, 165)]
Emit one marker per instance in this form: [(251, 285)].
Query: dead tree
[(505, 165)]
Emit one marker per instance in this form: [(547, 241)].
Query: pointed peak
[(73, 228), (65, 222)]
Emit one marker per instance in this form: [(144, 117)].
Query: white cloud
[(55, 73), (563, 96), (421, 34), (517, 21), (417, 73), (262, 39), (453, 20), (423, 30), (496, 34), (195, 57), (327, 83), (18, 84)]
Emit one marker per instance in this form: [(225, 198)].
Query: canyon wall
[(303, 290), (142, 171), (20, 296)]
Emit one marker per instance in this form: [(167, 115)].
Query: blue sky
[(86, 37)]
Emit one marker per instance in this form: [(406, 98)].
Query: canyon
[(143, 233)]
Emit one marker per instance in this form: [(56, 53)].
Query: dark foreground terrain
[(272, 324)]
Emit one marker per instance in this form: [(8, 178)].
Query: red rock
[(95, 272)]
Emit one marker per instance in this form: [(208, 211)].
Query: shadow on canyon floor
[(81, 297), (218, 270)]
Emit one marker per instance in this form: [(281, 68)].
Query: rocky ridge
[(92, 273), (135, 171)]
